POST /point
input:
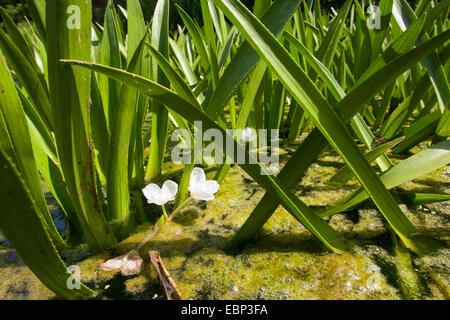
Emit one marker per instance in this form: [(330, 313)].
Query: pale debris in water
[(112, 264), (131, 264)]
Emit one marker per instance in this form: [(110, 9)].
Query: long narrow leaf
[(297, 208), (324, 117)]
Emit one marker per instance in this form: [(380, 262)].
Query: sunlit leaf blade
[(419, 199), (405, 16), (329, 44), (110, 55), (136, 31), (18, 39), (15, 141), (298, 209), (379, 34), (407, 170), (275, 18), (357, 123), (175, 79), (443, 128), (37, 12), (69, 92), (31, 81), (345, 174), (118, 169), (304, 91), (18, 215), (419, 131), (197, 37), (315, 143), (160, 115), (46, 159)]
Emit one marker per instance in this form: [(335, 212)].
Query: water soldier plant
[(88, 110)]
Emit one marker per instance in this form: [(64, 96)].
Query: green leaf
[(275, 18), (379, 35), (136, 27), (188, 72), (69, 96), (309, 98), (160, 115), (37, 12), (260, 7), (406, 108), (174, 78), (329, 44), (15, 141), (315, 143), (443, 128), (26, 73), (345, 174), (19, 216), (419, 131), (174, 102), (118, 187), (412, 168), (208, 24), (357, 123), (405, 16), (197, 37), (110, 55), (136, 31), (419, 199), (254, 89), (18, 39), (46, 159)]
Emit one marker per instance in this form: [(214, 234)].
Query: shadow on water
[(281, 243), (116, 289)]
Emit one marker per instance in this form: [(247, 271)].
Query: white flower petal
[(205, 197), (201, 194), (154, 194), (169, 190), (160, 201), (200, 188), (212, 186), (197, 177), (151, 190)]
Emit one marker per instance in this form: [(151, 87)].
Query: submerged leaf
[(133, 264)]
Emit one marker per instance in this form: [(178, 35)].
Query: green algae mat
[(141, 160), (284, 261)]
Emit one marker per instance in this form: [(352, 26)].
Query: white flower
[(248, 135), (161, 196), (200, 188)]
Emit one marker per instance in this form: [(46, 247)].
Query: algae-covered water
[(284, 261)]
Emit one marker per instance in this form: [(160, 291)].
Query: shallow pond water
[(284, 261)]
